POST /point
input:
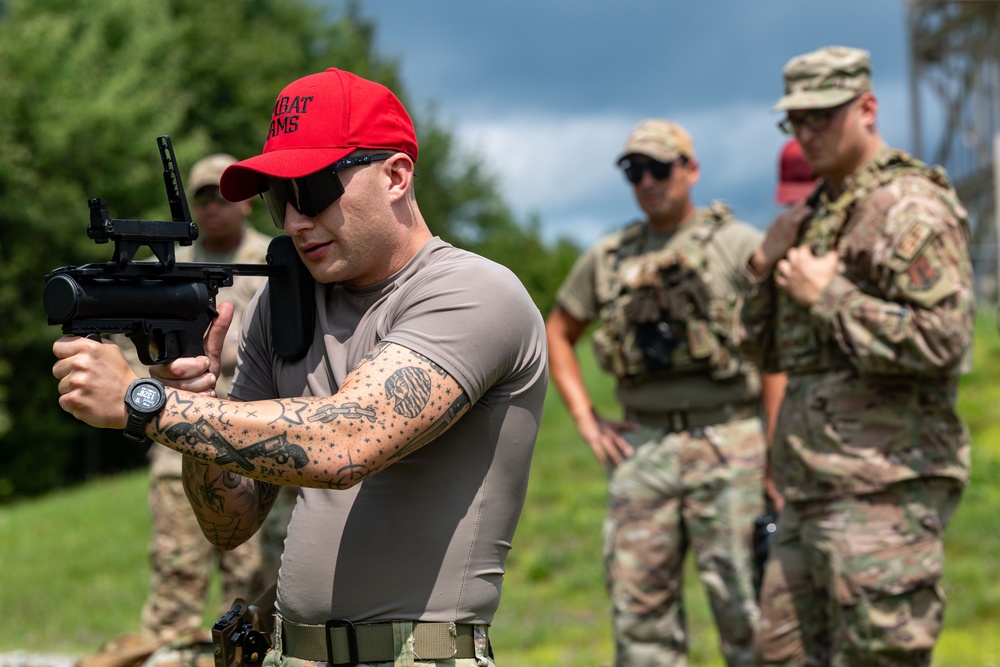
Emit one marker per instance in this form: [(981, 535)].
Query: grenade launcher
[(163, 306)]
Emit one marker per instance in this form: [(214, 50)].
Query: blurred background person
[(181, 559), (686, 465)]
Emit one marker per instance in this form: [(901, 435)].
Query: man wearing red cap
[(409, 422)]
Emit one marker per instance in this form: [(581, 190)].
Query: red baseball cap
[(317, 120), (795, 177)]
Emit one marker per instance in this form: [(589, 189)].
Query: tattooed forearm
[(328, 413), (292, 410), (229, 507), (393, 403)]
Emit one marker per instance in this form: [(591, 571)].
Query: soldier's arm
[(755, 330), (922, 322), (756, 336), (229, 508), (562, 332), (392, 403)]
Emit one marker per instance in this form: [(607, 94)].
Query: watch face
[(146, 397)]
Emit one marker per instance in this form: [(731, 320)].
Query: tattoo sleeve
[(394, 402)]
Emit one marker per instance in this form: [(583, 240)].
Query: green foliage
[(89, 85)]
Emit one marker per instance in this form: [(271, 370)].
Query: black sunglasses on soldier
[(660, 171), (207, 194), (311, 195)]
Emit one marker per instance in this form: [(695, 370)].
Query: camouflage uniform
[(668, 305), (869, 452)]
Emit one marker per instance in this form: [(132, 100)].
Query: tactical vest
[(659, 317), (799, 346)]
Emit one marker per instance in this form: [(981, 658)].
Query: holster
[(764, 527), (242, 636)]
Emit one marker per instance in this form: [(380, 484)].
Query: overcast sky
[(547, 90)]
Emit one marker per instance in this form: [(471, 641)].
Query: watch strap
[(135, 426)]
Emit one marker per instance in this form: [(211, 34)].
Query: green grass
[(73, 568)]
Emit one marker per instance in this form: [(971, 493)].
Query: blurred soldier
[(686, 468), (864, 298), (796, 181), (181, 558)]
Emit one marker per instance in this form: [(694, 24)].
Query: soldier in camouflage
[(686, 464), (181, 559), (863, 296)]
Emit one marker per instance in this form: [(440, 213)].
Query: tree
[(88, 86)]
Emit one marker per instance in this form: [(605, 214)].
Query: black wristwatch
[(143, 401)]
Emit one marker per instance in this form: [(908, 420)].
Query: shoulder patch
[(913, 239), (924, 280), (922, 275)]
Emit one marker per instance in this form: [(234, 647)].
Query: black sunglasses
[(660, 171), (311, 195), (207, 194), (816, 120)]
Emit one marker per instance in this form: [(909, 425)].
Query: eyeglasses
[(207, 194), (660, 171), (816, 120), (311, 195)]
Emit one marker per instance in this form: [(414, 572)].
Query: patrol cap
[(659, 139), (825, 78), (208, 170)]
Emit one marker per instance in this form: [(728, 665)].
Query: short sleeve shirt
[(426, 538)]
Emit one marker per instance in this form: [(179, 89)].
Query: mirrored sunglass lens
[(316, 192), (309, 195), (276, 200)]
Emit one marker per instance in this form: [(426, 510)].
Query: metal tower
[(955, 102)]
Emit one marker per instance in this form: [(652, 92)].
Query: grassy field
[(73, 566)]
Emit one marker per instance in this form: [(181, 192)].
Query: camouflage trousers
[(853, 582), (182, 560), (699, 490), (403, 638)]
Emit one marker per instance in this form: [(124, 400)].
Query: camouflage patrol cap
[(825, 78), (208, 170), (659, 139)]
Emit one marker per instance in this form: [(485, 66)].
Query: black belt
[(341, 642), (678, 421)]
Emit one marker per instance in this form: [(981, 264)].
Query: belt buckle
[(352, 641)]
